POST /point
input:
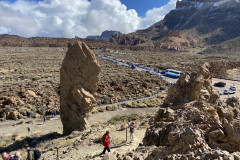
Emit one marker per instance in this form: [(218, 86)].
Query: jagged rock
[(192, 87), (78, 82), (195, 124), (13, 115), (233, 102)]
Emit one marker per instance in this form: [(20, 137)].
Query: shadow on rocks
[(32, 141)]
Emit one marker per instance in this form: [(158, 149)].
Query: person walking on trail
[(106, 142), (32, 154), (131, 126), (29, 130), (44, 119)]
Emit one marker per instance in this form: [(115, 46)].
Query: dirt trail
[(54, 124), (89, 147)]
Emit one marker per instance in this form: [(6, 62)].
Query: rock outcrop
[(193, 87), (106, 35), (195, 124), (127, 39), (78, 82), (175, 40)]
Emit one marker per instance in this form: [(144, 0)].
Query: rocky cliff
[(208, 21)]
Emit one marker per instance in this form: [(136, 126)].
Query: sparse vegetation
[(125, 118), (36, 78)]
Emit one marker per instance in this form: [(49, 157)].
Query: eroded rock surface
[(193, 87), (195, 124), (175, 40), (78, 82)]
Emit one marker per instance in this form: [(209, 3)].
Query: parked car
[(225, 91), (228, 91), (231, 91), (233, 88), (220, 93), (159, 75), (220, 84)]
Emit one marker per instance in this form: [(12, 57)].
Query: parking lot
[(229, 83), (157, 72)]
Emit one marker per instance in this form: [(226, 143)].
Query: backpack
[(37, 154)]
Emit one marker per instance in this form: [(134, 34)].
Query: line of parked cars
[(152, 71), (231, 90)]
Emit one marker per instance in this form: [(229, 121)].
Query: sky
[(70, 18)]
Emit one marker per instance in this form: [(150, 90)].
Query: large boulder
[(193, 123), (78, 82)]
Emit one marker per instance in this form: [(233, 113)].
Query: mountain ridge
[(209, 22)]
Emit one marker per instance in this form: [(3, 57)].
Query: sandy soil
[(39, 128)]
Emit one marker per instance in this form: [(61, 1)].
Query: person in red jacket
[(106, 142)]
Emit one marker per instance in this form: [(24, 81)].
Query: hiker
[(44, 119), (106, 142), (32, 154), (52, 113), (131, 126), (6, 156), (29, 130)]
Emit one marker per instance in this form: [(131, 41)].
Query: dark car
[(220, 84)]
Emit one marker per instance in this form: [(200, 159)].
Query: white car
[(225, 91), (228, 91), (233, 88)]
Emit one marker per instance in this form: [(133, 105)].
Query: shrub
[(125, 118), (36, 78)]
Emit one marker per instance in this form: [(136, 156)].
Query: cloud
[(156, 14), (69, 18)]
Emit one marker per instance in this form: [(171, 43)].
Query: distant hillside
[(106, 35), (17, 41), (230, 47), (207, 21)]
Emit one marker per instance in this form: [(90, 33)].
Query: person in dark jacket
[(106, 142), (30, 153)]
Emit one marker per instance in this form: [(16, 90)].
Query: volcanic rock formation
[(126, 39), (78, 82), (193, 87), (195, 124), (175, 40)]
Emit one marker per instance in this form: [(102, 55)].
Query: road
[(157, 72)]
